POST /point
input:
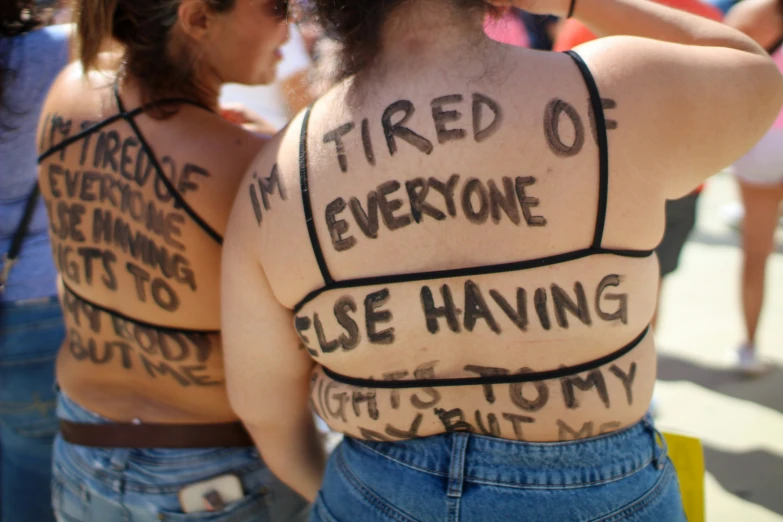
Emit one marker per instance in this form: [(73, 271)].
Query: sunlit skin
[(120, 241)]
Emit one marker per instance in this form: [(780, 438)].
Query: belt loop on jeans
[(660, 449), (119, 459), (457, 467)]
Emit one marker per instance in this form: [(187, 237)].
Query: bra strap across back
[(307, 203), (603, 147)]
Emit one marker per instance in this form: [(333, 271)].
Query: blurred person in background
[(277, 102), (31, 322), (508, 28), (573, 32), (760, 177), (139, 169), (455, 263)]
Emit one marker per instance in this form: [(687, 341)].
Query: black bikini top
[(145, 324), (595, 249), (130, 116)]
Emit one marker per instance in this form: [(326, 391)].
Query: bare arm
[(267, 374), (693, 95), (762, 20), (655, 21)]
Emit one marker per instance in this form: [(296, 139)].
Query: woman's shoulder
[(92, 90)]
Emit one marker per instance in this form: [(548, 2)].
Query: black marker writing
[(554, 110), (606, 103), (398, 129), (443, 117), (622, 299), (482, 134), (594, 379), (266, 187), (336, 136)]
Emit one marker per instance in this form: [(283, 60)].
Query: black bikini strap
[(308, 210), (124, 317), (82, 134), (112, 119), (565, 371), (470, 271), (130, 118), (118, 100), (603, 146), (156, 103)]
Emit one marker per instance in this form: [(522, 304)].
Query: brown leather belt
[(169, 436)]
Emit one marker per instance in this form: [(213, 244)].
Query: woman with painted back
[(450, 256), (138, 171)]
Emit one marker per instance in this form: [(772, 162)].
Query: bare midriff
[(128, 372), (497, 325), (139, 276)]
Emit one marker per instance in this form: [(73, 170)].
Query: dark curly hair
[(357, 24), (143, 27)]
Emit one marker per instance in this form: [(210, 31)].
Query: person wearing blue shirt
[(31, 322)]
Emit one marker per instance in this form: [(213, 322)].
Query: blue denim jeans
[(30, 335), (142, 485), (463, 477)]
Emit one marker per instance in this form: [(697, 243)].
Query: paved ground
[(740, 421)]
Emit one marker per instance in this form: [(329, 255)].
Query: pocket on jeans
[(250, 508), (37, 429), (662, 502), (68, 502)]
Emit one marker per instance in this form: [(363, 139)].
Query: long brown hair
[(144, 29)]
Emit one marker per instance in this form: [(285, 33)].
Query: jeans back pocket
[(253, 507)]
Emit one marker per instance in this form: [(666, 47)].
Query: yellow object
[(688, 458)]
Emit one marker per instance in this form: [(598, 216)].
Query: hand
[(542, 7), (238, 114)]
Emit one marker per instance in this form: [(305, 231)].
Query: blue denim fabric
[(141, 485), (463, 477), (30, 335)]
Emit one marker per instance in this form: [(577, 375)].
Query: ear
[(194, 18)]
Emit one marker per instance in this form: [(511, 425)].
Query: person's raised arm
[(693, 95), (267, 374), (762, 20)]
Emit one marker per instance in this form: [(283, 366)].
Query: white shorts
[(763, 165)]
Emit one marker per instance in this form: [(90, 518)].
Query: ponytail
[(95, 21)]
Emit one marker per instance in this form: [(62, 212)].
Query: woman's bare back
[(136, 238), (494, 180)]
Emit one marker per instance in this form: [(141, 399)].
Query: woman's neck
[(204, 92), (426, 31)]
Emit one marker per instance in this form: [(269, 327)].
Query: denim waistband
[(146, 470), (483, 459)]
